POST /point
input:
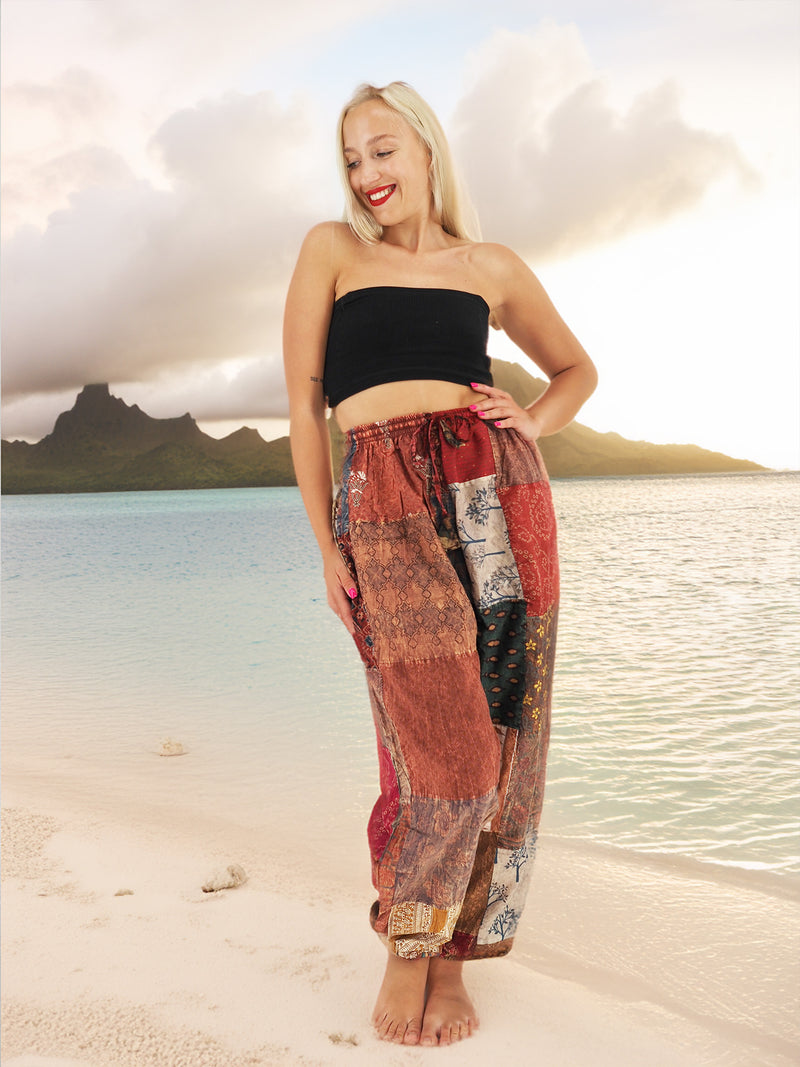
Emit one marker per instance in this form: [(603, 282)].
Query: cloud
[(32, 416), (177, 278), (132, 280), (253, 389), (88, 72), (164, 48), (30, 183), (75, 96), (58, 137), (554, 168)]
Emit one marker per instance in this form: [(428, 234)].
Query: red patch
[(384, 814), (532, 531), (463, 460), (450, 748)]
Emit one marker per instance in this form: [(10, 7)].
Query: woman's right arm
[(305, 331)]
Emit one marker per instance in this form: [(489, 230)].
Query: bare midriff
[(392, 399)]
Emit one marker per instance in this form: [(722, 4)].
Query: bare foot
[(401, 1001), (449, 1013)]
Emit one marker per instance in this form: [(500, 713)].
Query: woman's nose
[(370, 173)]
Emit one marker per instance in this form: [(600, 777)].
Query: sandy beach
[(113, 956)]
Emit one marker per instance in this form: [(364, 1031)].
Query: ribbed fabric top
[(392, 333)]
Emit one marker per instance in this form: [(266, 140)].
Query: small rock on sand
[(230, 878), (168, 747)]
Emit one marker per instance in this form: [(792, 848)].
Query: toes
[(436, 1032), (412, 1032), (428, 1037), (387, 1030), (399, 1033)]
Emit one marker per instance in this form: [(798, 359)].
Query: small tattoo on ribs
[(313, 379)]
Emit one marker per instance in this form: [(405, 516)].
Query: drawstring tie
[(454, 430)]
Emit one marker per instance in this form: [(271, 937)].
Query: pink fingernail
[(475, 385), (482, 414), (473, 407), (497, 424), (352, 593)]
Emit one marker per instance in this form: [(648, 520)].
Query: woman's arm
[(526, 313), (305, 331)]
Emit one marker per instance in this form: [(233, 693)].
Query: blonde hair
[(450, 204)]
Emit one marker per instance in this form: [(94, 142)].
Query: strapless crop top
[(392, 333)]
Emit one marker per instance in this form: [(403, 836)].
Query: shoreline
[(555, 478), (623, 959)]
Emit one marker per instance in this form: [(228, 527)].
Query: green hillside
[(103, 444)]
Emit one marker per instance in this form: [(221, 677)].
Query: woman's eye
[(352, 164), (381, 155)]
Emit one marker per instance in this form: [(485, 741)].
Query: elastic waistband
[(402, 424)]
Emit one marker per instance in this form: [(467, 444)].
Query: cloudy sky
[(162, 160)]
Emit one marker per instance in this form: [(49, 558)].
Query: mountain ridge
[(103, 444)]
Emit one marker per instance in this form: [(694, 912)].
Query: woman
[(441, 560)]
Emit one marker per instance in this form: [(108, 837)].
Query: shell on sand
[(168, 747), (230, 878)]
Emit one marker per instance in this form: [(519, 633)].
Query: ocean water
[(201, 617)]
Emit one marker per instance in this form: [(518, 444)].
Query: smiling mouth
[(379, 196)]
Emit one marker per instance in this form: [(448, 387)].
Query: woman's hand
[(502, 409), (340, 587)]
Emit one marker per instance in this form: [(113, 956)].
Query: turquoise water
[(201, 616)]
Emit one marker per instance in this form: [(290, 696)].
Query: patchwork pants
[(447, 526)]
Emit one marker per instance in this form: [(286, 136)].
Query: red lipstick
[(379, 195)]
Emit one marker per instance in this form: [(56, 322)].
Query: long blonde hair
[(451, 206)]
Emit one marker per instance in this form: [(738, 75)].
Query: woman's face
[(387, 163)]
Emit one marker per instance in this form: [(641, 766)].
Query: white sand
[(652, 968)]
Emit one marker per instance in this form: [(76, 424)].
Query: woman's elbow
[(304, 417), (591, 377)]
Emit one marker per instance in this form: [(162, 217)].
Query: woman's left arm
[(526, 313)]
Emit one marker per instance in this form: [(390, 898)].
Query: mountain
[(103, 444)]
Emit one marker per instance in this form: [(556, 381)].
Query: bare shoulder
[(503, 278), (326, 237), (498, 262), (330, 248), (329, 230)]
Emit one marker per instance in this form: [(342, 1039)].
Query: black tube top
[(392, 333)]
